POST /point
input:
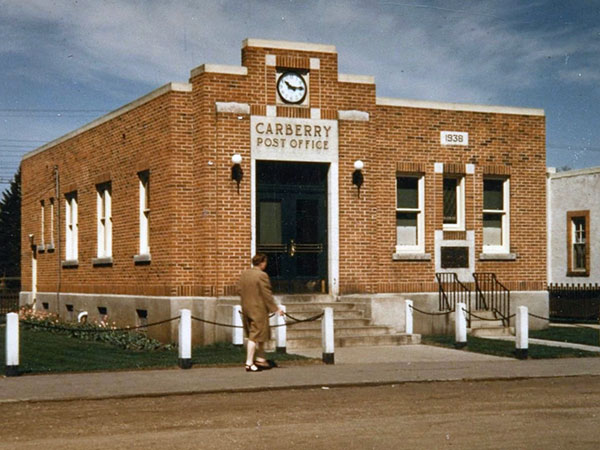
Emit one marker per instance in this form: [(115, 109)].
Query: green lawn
[(43, 352), (506, 348), (577, 335)]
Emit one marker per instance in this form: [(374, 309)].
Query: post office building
[(355, 198)]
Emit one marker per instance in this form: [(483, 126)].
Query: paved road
[(544, 413)]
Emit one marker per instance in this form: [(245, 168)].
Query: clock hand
[(293, 88)]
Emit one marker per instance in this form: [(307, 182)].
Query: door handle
[(292, 250)]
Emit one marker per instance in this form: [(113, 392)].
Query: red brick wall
[(200, 235), (153, 137)]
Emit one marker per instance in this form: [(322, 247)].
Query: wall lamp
[(357, 176), (236, 170)]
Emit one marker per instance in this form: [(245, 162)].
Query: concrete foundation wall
[(388, 310), (121, 309)]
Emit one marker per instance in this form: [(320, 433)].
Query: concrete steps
[(354, 341), (488, 326), (352, 324)]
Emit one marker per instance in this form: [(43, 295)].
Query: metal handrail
[(492, 295), (452, 291)]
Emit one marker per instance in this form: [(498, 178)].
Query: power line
[(25, 110), (21, 140)]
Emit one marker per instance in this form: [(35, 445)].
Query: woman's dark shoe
[(252, 368), (267, 364)]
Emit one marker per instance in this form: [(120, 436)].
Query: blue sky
[(64, 62)]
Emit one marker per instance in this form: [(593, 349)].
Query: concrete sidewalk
[(354, 367)]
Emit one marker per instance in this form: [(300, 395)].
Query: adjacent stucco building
[(573, 219)]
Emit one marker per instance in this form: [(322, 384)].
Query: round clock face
[(291, 87)]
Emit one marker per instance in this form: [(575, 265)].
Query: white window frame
[(578, 236), (42, 223), (51, 223), (460, 205), (420, 210), (577, 239), (71, 224), (505, 212), (104, 220), (144, 212)]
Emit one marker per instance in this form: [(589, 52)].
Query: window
[(71, 226), (578, 229), (409, 214), (51, 244), (454, 203), (496, 195), (104, 220), (42, 223), (142, 317), (144, 182)]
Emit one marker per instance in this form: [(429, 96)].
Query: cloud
[(472, 53)]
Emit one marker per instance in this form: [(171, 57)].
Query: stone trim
[(219, 68), (145, 258), (360, 79), (170, 87), (102, 261), (408, 103), (497, 256), (233, 107), (289, 45), (353, 115), (74, 263), (411, 257)]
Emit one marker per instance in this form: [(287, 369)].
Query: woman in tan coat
[(257, 303)]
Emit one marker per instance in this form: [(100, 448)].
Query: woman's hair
[(258, 258)]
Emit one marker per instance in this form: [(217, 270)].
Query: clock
[(291, 87)]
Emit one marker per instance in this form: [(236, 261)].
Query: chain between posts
[(108, 330), (99, 330), (295, 321), (576, 325), (430, 313)]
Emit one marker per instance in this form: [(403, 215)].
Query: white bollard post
[(522, 331), (408, 314), (460, 325), (185, 339), (12, 344), (327, 338), (237, 336), (281, 332)]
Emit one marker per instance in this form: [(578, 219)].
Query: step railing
[(492, 295), (452, 291)]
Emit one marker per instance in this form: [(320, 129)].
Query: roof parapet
[(219, 68), (289, 45), (409, 103), (362, 79), (169, 87)]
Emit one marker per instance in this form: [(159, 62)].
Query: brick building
[(138, 213)]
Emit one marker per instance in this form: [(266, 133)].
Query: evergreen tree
[(10, 229)]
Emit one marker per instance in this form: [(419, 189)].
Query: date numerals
[(454, 138)]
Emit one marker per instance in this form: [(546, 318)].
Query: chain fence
[(293, 322)]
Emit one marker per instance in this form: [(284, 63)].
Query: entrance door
[(292, 224)]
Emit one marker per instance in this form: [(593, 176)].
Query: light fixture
[(357, 176), (236, 170)]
